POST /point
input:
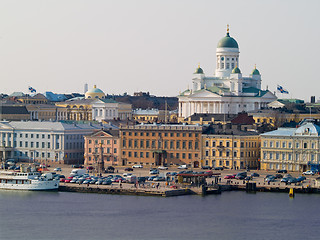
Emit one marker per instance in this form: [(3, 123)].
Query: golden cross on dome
[(227, 28)]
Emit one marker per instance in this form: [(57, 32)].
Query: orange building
[(156, 144), (102, 144)]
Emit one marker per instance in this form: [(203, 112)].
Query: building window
[(242, 144), (290, 145), (207, 143), (271, 144), (207, 153), (235, 144), (277, 144), (178, 144), (235, 154), (227, 144), (283, 144), (305, 145)]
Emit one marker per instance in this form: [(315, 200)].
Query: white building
[(228, 91), (44, 141), (109, 109)]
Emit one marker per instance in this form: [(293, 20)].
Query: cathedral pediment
[(204, 93)]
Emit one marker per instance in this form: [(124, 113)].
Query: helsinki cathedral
[(228, 91)]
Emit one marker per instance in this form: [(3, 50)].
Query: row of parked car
[(287, 178), (241, 176)]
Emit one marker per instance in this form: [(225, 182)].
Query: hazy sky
[(144, 45)]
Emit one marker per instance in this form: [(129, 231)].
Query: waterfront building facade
[(228, 91), (231, 149), (161, 144), (293, 149), (44, 141), (102, 145)]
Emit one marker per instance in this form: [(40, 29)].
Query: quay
[(128, 189)]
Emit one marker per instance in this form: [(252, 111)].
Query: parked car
[(218, 168), (206, 167), (159, 178), (151, 178), (292, 180), (137, 166), (183, 167), (248, 178), (109, 169), (240, 177), (142, 179), (57, 169), (278, 176), (309, 172), (155, 171), (162, 168), (128, 169), (126, 174), (244, 174), (106, 182), (90, 168), (270, 179), (285, 179), (282, 171), (255, 175), (301, 178), (229, 177)]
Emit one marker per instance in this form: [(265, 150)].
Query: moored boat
[(34, 181)]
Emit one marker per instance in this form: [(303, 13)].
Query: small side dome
[(198, 70), (236, 70), (255, 71), (94, 93)]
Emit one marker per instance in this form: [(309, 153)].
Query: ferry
[(33, 181)]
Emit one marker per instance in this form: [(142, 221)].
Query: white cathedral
[(227, 91)]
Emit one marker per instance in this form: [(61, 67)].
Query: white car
[(137, 166), (183, 167), (57, 169), (162, 168), (309, 172)]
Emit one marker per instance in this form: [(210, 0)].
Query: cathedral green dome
[(198, 70), (227, 42), (255, 72), (236, 70)]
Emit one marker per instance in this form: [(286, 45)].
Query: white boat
[(33, 181)]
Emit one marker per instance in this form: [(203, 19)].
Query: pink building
[(102, 144)]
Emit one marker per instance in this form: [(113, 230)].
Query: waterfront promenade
[(174, 189)]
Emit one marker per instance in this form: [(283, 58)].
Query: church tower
[(227, 56)]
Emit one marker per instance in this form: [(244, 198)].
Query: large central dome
[(227, 42)]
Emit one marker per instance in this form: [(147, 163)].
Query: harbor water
[(231, 215)]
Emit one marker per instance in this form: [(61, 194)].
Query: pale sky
[(144, 45)]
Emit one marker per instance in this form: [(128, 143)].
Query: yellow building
[(292, 149), (231, 149), (78, 110)]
